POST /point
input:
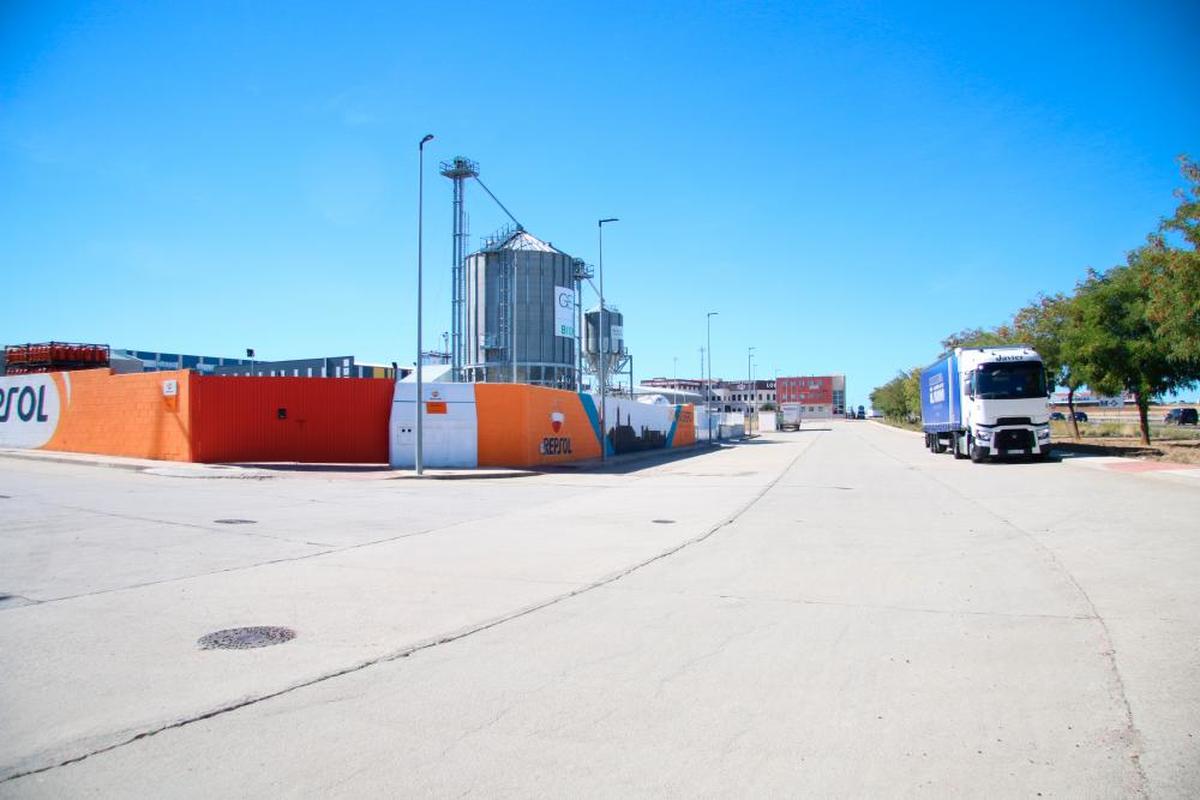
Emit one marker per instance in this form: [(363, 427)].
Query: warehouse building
[(126, 361), (819, 396)]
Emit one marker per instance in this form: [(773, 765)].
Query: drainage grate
[(663, 521), (245, 638), (236, 521)]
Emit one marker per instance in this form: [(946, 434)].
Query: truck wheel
[(957, 447), (977, 454), (938, 447)]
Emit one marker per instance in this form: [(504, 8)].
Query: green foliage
[(1172, 274), (900, 398), (1115, 337), (977, 337)]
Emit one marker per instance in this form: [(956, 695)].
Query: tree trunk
[(1071, 411), (1143, 406)]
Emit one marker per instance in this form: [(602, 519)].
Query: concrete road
[(833, 612)]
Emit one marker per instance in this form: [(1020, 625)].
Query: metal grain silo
[(613, 345), (522, 313)]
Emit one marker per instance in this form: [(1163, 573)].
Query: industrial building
[(330, 367), (820, 396), (730, 397), (516, 306), (125, 361), (152, 361)]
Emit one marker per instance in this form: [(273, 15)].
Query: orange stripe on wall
[(685, 427), (516, 422)]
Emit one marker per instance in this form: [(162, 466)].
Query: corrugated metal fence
[(334, 420)]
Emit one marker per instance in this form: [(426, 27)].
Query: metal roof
[(523, 240)]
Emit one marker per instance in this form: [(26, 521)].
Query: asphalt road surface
[(829, 613)]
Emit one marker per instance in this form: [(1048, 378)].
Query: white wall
[(449, 441)]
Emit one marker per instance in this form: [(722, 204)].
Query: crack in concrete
[(425, 645)]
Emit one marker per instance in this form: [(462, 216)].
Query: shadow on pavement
[(296, 467), (632, 462), (1081, 450)]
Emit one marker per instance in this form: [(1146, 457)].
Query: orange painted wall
[(685, 427), (122, 415), (334, 420), (515, 420)]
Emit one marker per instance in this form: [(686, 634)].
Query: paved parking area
[(834, 612)]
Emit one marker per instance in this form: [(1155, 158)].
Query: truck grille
[(1014, 421), (1014, 440)]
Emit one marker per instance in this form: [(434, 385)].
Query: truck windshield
[(1010, 381)]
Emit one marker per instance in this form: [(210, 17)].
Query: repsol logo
[(26, 402), (555, 446), (29, 410)]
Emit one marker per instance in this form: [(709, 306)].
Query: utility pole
[(604, 337), (750, 386), (708, 323), (419, 457)]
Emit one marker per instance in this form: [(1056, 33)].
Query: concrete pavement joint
[(191, 525), (1132, 736), (288, 559), (425, 645)]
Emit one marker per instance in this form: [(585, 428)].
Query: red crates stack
[(24, 359)]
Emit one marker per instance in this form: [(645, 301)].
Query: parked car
[(1181, 416), (1080, 416), (1058, 415)]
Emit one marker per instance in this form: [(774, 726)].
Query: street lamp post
[(749, 386), (419, 458), (603, 337), (708, 391)]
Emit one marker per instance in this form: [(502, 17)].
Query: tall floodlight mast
[(458, 170)]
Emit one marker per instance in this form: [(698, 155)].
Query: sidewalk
[(258, 471)]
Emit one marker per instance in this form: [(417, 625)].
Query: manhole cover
[(245, 638), (235, 521), (663, 521)]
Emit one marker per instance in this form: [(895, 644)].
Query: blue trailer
[(940, 409)]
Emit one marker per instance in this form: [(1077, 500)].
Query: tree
[(890, 399), (977, 337), (1114, 338), (1045, 326), (912, 394), (1172, 274)]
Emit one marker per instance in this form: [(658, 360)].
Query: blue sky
[(845, 184)]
